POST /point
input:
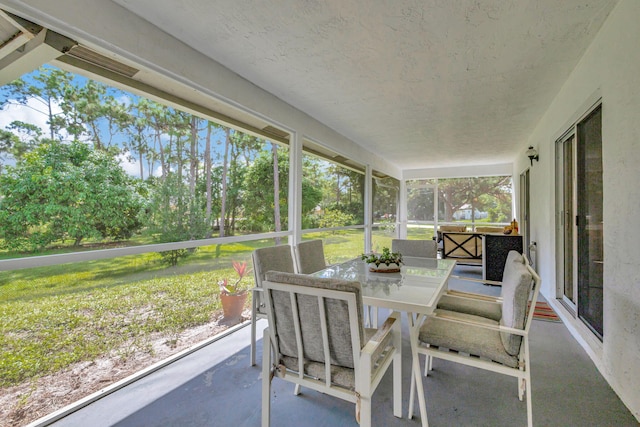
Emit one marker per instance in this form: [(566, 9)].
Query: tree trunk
[(140, 160), (179, 164), (225, 166), (193, 160), (50, 112)]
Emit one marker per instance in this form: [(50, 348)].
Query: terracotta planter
[(232, 306)]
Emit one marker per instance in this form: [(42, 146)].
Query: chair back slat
[(295, 318), (302, 303), (325, 341)]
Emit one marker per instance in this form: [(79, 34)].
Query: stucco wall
[(610, 69)]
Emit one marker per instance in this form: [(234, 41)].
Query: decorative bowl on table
[(386, 262)]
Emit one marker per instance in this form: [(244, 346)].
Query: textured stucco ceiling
[(430, 83)]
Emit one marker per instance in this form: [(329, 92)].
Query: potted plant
[(233, 295), (386, 262)]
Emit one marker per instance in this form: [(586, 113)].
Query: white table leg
[(416, 377)]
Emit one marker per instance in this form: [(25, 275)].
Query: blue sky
[(35, 113)]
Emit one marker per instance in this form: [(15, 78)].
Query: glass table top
[(416, 288)]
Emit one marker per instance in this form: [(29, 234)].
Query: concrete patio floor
[(215, 386)]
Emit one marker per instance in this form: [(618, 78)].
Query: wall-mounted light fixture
[(532, 154)]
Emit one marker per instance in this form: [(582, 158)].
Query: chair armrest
[(473, 296), (499, 328), (380, 340), (470, 279)]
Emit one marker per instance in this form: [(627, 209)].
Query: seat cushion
[(310, 256), (273, 258), (516, 286), (453, 228), (466, 338), (344, 377), (415, 248), (340, 375), (337, 318), (276, 258), (489, 229), (514, 256), (514, 259), (477, 307), (488, 309)]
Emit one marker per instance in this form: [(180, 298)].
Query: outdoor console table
[(495, 248), (415, 290), (488, 250)]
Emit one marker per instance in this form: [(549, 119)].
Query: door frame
[(570, 132)]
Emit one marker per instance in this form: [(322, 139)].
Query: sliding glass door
[(579, 220), (590, 221)]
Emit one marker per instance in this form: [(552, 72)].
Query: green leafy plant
[(386, 257), (237, 287)]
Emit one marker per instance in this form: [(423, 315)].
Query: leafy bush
[(64, 192), (334, 218)]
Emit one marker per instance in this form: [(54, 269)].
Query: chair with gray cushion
[(500, 346), (478, 304), (310, 256), (276, 258), (481, 305), (316, 339), (415, 248)]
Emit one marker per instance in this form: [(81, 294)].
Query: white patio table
[(415, 290)]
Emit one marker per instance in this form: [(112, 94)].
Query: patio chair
[(310, 256), (276, 258), (449, 229), (498, 346), (464, 247), (316, 339), (478, 304), (415, 248)]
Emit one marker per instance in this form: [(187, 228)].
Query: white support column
[(402, 210), (436, 201), (295, 188), (368, 208)]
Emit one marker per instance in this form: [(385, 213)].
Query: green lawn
[(52, 317)]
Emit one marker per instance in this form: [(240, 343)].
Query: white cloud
[(157, 171), (124, 100), (33, 112), (130, 165), (30, 113)]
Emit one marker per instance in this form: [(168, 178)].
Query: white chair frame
[(256, 298), (522, 372), (370, 362)]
